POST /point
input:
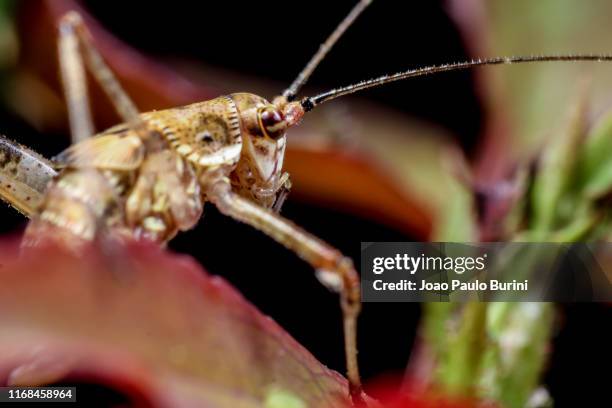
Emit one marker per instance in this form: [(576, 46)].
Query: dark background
[(273, 40)]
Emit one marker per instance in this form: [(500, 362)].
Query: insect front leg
[(74, 47), (333, 270)]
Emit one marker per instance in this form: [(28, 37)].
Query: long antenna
[(324, 48), (310, 102)]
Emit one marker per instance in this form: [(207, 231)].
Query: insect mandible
[(149, 177)]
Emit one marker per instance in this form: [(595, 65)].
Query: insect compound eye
[(272, 122)]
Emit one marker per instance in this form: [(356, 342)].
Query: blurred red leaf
[(412, 395), (369, 188), (151, 325)]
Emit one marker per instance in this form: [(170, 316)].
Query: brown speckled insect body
[(156, 184)]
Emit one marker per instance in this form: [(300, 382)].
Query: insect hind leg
[(76, 50)]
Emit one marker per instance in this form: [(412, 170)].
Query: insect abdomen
[(24, 176)]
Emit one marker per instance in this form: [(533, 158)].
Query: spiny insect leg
[(24, 176), (75, 46), (333, 269)]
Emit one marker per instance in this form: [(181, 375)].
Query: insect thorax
[(151, 192), (206, 133)]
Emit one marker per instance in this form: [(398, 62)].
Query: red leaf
[(150, 324), (414, 395)]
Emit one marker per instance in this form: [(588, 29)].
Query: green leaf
[(518, 348), (556, 169), (460, 368), (596, 159), (279, 398)]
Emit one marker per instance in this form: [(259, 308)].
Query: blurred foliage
[(8, 38), (497, 351), (526, 102)]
